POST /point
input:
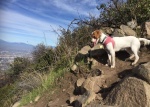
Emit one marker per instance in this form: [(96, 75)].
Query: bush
[(43, 57), (19, 65)]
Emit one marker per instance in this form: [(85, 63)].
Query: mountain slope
[(13, 47)]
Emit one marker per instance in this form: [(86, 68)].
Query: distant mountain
[(15, 47)]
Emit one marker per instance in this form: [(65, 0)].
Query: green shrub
[(19, 65)]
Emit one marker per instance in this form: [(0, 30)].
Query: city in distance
[(9, 51)]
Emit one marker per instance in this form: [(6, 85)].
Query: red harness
[(109, 40)]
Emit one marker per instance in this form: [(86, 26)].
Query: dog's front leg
[(112, 52), (109, 59)]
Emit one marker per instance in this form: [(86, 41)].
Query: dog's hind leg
[(135, 52), (131, 54)]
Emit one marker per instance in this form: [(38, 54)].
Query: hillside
[(66, 90)]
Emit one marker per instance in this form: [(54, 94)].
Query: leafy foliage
[(19, 65), (42, 57), (116, 12)]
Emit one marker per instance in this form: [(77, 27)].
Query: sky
[(34, 21)]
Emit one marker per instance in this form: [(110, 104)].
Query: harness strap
[(107, 40)]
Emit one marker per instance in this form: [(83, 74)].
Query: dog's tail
[(145, 41)]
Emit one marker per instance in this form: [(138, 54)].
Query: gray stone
[(147, 27), (131, 92), (143, 71), (128, 31)]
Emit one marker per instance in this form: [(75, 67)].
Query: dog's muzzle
[(94, 41)]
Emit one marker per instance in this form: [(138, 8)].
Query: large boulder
[(87, 53), (91, 83), (107, 30), (88, 89), (131, 92), (99, 105), (143, 71), (118, 33), (84, 50), (82, 55), (128, 31), (147, 28)]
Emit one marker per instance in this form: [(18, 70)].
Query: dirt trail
[(65, 86)]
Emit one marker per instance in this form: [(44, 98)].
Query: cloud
[(75, 6), (34, 18), (13, 23)]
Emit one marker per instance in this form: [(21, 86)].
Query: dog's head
[(96, 36)]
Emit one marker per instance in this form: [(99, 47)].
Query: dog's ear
[(98, 33)]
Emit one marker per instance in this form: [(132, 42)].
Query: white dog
[(130, 43)]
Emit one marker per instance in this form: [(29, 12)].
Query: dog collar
[(103, 40)]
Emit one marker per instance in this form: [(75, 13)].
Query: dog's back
[(125, 42)]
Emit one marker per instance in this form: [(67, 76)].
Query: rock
[(107, 30), (17, 104), (118, 33), (132, 24), (128, 31), (147, 28), (74, 67), (91, 86), (93, 83), (51, 103), (85, 50), (31, 102), (86, 98), (72, 99), (37, 98), (80, 82), (99, 105), (87, 53), (96, 51), (82, 54), (143, 71), (131, 92)]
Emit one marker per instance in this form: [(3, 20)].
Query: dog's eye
[(93, 37)]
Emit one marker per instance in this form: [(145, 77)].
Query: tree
[(42, 57), (19, 65)]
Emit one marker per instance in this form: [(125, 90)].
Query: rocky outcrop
[(107, 30), (88, 89), (87, 53), (147, 27), (143, 71), (118, 33), (128, 31), (93, 84), (82, 55), (124, 30), (99, 105), (131, 92)]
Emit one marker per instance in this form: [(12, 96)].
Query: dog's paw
[(127, 59), (133, 64), (106, 64), (112, 67)]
